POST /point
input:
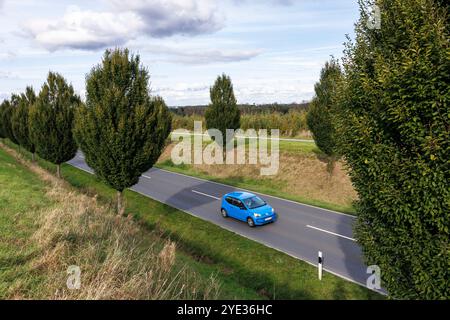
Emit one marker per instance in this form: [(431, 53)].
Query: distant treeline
[(289, 119), (245, 108)]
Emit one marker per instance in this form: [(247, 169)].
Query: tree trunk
[(58, 171), (331, 164), (120, 208), (33, 157)]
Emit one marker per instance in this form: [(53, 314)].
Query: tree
[(393, 127), (320, 115), (122, 129), (4, 123), (6, 112), (20, 120), (222, 113), (52, 119)]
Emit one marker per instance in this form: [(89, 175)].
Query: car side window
[(229, 200), (239, 204)]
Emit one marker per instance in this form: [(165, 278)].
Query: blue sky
[(272, 49)]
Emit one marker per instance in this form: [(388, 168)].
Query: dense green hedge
[(394, 125)]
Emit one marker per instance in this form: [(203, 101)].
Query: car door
[(230, 207), (241, 210)]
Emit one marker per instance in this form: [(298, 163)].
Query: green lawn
[(244, 266), (21, 195)]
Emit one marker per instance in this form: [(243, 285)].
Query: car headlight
[(257, 215)]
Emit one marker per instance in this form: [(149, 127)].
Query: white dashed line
[(206, 195), (336, 234)]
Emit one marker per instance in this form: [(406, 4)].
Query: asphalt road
[(301, 230)]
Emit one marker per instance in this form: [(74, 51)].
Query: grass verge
[(46, 226), (240, 261)]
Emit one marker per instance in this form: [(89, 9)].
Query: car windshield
[(254, 202)]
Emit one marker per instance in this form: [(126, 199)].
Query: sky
[(273, 50)]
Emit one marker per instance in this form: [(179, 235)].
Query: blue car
[(247, 207)]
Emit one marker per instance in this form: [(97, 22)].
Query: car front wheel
[(224, 213), (250, 222)]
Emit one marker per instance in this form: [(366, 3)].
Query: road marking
[(206, 195), (326, 231), (82, 157)]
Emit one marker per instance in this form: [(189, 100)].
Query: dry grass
[(301, 174), (117, 258)]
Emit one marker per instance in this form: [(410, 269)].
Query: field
[(291, 124), (240, 267)]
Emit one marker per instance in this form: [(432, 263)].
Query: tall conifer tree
[(52, 119), (6, 113), (222, 113), (20, 120), (122, 129)]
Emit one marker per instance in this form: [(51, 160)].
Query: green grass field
[(245, 268), (21, 194)]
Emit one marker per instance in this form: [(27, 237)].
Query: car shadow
[(194, 196)]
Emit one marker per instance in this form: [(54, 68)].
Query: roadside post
[(320, 265)]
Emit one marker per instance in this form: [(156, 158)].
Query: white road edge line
[(147, 177), (204, 194), (326, 231)]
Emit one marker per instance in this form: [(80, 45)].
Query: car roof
[(241, 195)]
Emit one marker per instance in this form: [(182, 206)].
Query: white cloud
[(79, 29), (203, 56), (170, 17), (5, 74), (4, 96), (272, 2), (90, 30), (246, 91)]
